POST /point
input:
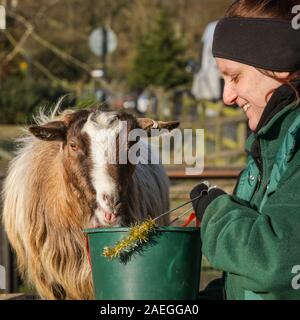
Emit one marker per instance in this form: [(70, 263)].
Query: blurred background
[(149, 57)]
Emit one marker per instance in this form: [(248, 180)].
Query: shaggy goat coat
[(45, 210)]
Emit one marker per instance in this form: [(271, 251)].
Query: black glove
[(208, 195)]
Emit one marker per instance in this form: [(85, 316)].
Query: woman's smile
[(248, 87)]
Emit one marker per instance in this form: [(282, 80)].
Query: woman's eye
[(234, 79)]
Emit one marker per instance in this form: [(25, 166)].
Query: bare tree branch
[(45, 8), (18, 45), (119, 7), (38, 65), (62, 54)]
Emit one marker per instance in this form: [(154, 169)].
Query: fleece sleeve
[(261, 248)]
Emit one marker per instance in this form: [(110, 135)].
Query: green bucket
[(168, 267)]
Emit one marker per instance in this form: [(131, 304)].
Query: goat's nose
[(105, 197)]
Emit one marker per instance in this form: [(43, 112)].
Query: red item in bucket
[(192, 217)]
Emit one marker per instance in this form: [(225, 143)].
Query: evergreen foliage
[(21, 98), (159, 60)]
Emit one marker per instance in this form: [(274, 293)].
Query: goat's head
[(90, 154)]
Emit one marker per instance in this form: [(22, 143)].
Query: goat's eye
[(112, 120), (73, 146)]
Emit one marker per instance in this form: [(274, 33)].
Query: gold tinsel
[(138, 234)]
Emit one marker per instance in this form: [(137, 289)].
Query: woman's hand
[(208, 195)]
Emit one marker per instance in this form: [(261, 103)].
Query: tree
[(159, 60)]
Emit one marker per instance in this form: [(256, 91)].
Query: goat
[(60, 182)]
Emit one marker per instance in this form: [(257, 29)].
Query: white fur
[(102, 136)]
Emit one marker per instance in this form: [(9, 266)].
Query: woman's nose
[(229, 95)]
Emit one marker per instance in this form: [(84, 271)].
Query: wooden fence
[(225, 128), (7, 259)]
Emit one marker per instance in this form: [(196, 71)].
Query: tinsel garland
[(138, 234)]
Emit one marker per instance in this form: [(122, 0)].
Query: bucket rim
[(126, 229)]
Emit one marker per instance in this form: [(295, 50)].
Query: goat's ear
[(148, 124), (51, 131)]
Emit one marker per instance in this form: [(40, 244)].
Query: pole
[(104, 51)]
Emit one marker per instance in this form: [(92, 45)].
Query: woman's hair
[(276, 9), (279, 9)]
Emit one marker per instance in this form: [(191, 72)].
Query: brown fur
[(49, 199)]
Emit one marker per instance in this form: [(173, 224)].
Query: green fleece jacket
[(254, 235)]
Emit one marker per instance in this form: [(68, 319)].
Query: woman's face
[(247, 87)]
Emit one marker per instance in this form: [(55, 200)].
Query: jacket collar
[(279, 115), (264, 130), (282, 97), (279, 105)]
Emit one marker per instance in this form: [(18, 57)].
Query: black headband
[(269, 44)]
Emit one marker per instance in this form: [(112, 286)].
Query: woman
[(254, 234)]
